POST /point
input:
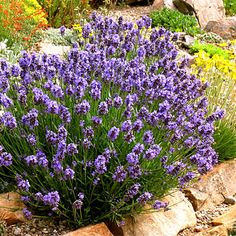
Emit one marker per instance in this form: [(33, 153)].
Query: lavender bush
[(116, 125)]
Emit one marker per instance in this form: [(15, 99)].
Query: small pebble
[(17, 231), (198, 228), (230, 200)]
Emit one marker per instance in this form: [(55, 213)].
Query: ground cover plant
[(211, 49), (175, 21), (221, 74), (230, 7), (117, 124)]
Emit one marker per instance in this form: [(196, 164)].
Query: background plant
[(118, 123), (230, 7), (175, 21), (64, 12), (20, 21), (221, 74)]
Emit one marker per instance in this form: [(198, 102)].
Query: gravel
[(38, 227), (204, 219)]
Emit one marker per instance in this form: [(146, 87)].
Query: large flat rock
[(163, 223)]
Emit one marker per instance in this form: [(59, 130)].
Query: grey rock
[(17, 231)]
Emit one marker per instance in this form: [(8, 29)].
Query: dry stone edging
[(213, 187), (11, 208), (91, 230), (163, 223)]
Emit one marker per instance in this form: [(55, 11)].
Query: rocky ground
[(204, 219), (38, 227)]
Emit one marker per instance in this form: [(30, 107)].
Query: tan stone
[(205, 10), (225, 28), (91, 230), (214, 186), (158, 4), (227, 219), (215, 231), (11, 208), (163, 223)]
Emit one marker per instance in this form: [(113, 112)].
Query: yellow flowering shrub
[(32, 8), (221, 74)]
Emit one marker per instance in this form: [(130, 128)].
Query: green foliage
[(64, 12), (53, 36), (12, 54), (230, 7), (175, 21), (210, 37), (211, 49)]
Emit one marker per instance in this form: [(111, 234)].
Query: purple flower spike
[(113, 133)]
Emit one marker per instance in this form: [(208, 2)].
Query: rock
[(205, 10), (188, 41), (91, 230), (212, 187), (215, 231), (227, 219), (225, 28), (230, 200), (196, 197), (17, 231), (11, 208), (165, 223), (158, 4)]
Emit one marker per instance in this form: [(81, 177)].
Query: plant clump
[(175, 21), (116, 125)]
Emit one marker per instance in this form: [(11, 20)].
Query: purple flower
[(142, 200), (5, 158), (138, 149), (148, 137), (30, 119), (52, 199), (159, 204), (100, 164), (120, 174), (132, 191), (126, 126), (134, 171), (129, 137), (113, 133), (5, 101), (103, 108), (27, 214), (69, 174), (117, 102), (42, 159), (72, 149), (62, 30), (132, 158), (138, 125), (8, 120), (77, 204), (31, 160), (96, 120), (31, 139), (23, 185), (82, 108)]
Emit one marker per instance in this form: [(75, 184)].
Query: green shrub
[(175, 21), (211, 49), (117, 124), (230, 7)]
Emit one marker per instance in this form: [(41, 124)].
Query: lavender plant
[(117, 124)]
